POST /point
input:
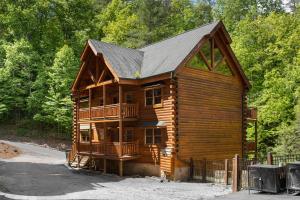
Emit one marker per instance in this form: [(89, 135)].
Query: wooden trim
[(91, 75), (83, 54), (111, 69), (82, 66), (192, 53), (205, 60), (98, 84), (232, 58), (142, 81), (102, 75)]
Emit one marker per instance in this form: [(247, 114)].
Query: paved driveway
[(39, 173), (244, 195)]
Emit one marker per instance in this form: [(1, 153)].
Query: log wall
[(209, 115)]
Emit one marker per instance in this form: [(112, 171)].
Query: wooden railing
[(109, 111), (130, 110), (111, 148)]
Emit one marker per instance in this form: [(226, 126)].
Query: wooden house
[(147, 111)]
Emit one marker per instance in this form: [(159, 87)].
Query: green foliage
[(268, 48), (41, 42), (56, 107)]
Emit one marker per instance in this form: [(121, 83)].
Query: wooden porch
[(110, 150)]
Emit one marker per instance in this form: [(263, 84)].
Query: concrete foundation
[(143, 169)]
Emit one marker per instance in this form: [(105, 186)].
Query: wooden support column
[(204, 171), (120, 128), (226, 172), (120, 119), (104, 166), (90, 103), (269, 158), (91, 147), (121, 168), (77, 125), (104, 99), (235, 173), (255, 124), (90, 116)]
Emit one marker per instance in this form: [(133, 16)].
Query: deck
[(112, 111), (110, 150)]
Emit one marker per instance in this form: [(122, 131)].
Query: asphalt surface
[(254, 195), (40, 173)]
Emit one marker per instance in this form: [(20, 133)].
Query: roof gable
[(166, 56), (161, 57)]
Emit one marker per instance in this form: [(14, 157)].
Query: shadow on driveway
[(36, 179)]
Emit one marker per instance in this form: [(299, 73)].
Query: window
[(85, 135), (153, 136), (129, 135), (153, 96), (210, 52), (149, 136)]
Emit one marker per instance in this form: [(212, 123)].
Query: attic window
[(211, 58)]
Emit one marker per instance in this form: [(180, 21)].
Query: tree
[(124, 28), (20, 68), (268, 49), (56, 108)]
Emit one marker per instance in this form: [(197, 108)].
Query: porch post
[(120, 129), (90, 116), (77, 125), (104, 99), (120, 119), (121, 168), (90, 102), (255, 124)]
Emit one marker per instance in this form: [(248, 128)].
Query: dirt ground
[(8, 151)]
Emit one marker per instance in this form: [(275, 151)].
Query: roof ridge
[(116, 45), (179, 34)]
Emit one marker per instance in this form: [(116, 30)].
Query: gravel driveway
[(39, 173)]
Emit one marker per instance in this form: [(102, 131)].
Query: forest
[(41, 42)]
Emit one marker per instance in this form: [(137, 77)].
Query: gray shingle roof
[(154, 59)]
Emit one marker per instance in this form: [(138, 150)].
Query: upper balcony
[(111, 111)]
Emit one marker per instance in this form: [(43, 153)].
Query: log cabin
[(147, 111)]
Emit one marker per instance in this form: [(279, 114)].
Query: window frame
[(153, 140), (152, 89)]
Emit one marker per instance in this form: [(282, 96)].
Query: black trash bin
[(293, 176), (266, 178)]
